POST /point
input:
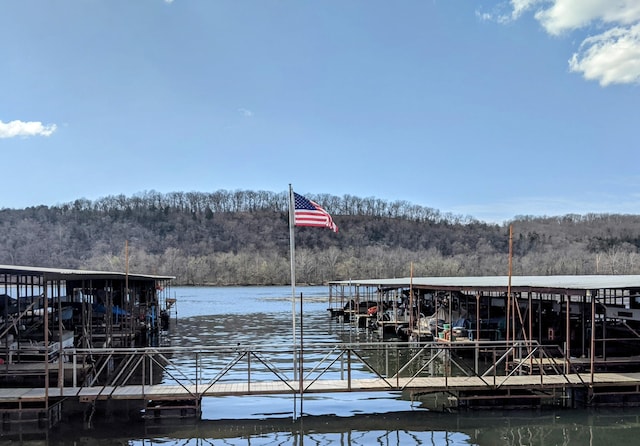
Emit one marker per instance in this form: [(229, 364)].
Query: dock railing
[(394, 366)]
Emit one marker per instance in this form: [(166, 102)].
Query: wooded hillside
[(242, 237)]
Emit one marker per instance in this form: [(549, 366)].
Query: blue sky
[(489, 109)]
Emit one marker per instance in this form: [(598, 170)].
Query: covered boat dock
[(46, 310), (593, 320)]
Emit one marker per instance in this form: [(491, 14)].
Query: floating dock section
[(46, 313), (471, 343), (593, 321)]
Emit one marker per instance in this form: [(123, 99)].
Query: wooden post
[(349, 368), (60, 339), (508, 317), (46, 343), (301, 359), (593, 340), (477, 337), (567, 343)]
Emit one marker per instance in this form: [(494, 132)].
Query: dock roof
[(541, 284), (75, 274)]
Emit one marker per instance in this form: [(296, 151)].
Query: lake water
[(210, 316)]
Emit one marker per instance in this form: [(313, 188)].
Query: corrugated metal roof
[(70, 274), (500, 283)]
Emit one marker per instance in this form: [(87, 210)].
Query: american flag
[(309, 213)]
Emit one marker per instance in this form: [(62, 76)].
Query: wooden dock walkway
[(177, 379), (421, 384)]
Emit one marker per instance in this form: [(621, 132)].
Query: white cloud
[(610, 56), (246, 113), (20, 128), (566, 15), (522, 6), (484, 16), (514, 10)]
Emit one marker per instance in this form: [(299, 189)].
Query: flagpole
[(292, 256), (302, 212)]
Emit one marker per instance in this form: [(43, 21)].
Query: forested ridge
[(242, 237)]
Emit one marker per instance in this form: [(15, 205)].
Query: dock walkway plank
[(423, 384)]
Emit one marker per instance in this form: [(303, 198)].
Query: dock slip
[(172, 381)]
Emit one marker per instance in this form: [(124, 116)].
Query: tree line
[(242, 238)]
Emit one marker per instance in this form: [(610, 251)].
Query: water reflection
[(512, 428)]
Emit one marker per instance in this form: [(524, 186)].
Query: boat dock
[(171, 382), (592, 317), (48, 313), (471, 343), (162, 392)]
